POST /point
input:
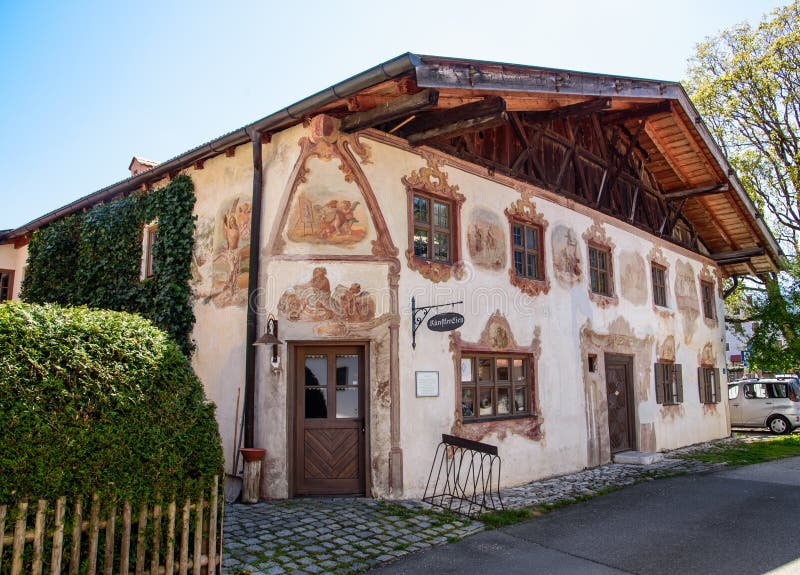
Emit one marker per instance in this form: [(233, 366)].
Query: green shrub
[(99, 401)]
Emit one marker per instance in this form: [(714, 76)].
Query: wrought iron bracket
[(418, 315)]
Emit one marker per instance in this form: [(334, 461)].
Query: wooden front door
[(620, 402), (330, 407)]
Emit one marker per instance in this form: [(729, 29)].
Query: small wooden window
[(433, 229), (600, 270), (495, 387), (149, 240), (708, 383), (6, 284), (707, 293), (526, 245), (669, 383), (659, 276)]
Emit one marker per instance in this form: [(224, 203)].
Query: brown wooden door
[(620, 402), (329, 439)]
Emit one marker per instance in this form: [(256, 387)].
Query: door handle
[(735, 404)]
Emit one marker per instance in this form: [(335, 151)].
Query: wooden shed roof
[(687, 163)]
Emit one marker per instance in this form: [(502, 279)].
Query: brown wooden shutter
[(679, 379), (717, 383), (701, 384), (659, 371)]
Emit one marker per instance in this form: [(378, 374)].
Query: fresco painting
[(221, 256), (486, 240), (633, 277), (686, 298), (566, 255), (322, 216), (315, 301)]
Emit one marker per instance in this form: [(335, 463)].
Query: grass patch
[(749, 453), (436, 518), (504, 518)]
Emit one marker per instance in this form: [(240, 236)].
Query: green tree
[(746, 84)]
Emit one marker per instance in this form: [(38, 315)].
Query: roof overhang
[(685, 155)]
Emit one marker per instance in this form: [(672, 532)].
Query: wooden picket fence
[(72, 543)]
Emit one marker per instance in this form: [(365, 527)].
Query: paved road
[(742, 520)]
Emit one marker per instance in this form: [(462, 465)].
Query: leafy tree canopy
[(746, 84)]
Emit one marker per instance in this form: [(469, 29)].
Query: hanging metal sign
[(441, 322), (447, 321)]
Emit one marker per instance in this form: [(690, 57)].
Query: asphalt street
[(736, 521)]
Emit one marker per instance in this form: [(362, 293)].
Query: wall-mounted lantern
[(271, 337)]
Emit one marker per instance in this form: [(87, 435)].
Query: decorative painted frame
[(523, 211), (432, 181), (497, 338), (596, 237), (327, 143)]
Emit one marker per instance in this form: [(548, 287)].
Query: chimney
[(139, 165)]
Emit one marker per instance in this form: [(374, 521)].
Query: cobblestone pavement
[(350, 535), (341, 535)]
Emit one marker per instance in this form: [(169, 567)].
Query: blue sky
[(87, 85)]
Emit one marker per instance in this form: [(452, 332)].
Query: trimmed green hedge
[(94, 259), (99, 401)]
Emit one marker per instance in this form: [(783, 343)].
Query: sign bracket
[(418, 315)]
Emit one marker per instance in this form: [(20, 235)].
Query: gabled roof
[(683, 156)]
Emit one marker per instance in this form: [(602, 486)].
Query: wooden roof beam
[(716, 189), (390, 110), (737, 256), (642, 112), (487, 113), (578, 110), (662, 147)]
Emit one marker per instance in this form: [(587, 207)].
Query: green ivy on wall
[(94, 259)]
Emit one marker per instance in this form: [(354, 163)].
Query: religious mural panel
[(486, 240), (633, 277), (221, 256), (326, 215), (566, 256), (315, 301), (686, 298)]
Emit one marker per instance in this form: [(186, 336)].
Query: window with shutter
[(708, 384), (669, 383)]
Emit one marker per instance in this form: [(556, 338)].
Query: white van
[(772, 403)]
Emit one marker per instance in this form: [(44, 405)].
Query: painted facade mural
[(315, 301), (221, 257), (633, 277), (324, 216), (566, 256), (686, 298), (486, 240)]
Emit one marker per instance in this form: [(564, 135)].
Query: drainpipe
[(252, 287)]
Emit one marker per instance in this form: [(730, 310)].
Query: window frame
[(10, 287), (607, 270), (660, 288), (496, 384), (708, 300), (525, 250), (149, 238), (432, 228), (669, 386), (708, 383)]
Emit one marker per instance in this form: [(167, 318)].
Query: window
[(433, 229), (600, 270), (707, 292), (669, 383), (6, 284), (658, 274), (708, 383), (733, 391), (495, 387), (148, 241), (768, 390), (526, 248)]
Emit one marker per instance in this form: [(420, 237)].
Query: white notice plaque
[(427, 384)]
